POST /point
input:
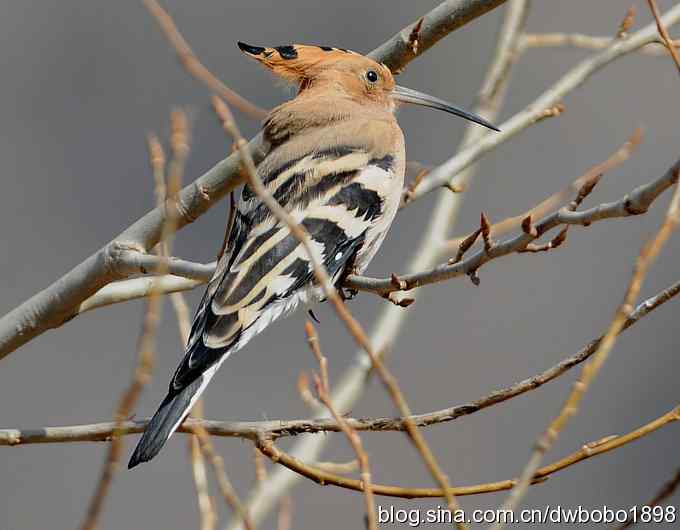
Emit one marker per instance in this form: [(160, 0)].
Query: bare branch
[(331, 294), (447, 17), (191, 63), (655, 47), (59, 302), (586, 452), (206, 509), (125, 290), (636, 202), (283, 428), (227, 490), (323, 390), (663, 32), (134, 262), (147, 342), (549, 204), (647, 256), (447, 171)]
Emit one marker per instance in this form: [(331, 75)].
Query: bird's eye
[(372, 76)]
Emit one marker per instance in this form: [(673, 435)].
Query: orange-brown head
[(350, 73), (322, 67)]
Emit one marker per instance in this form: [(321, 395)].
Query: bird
[(335, 161)]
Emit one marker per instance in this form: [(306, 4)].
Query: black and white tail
[(170, 414)]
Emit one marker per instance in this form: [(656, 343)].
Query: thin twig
[(226, 489), (645, 259), (58, 303), (180, 150), (191, 63), (260, 468), (206, 508), (323, 390), (283, 428), (542, 209), (587, 451), (285, 517), (136, 288), (663, 32), (146, 345), (446, 172), (587, 42), (637, 202), (331, 294)]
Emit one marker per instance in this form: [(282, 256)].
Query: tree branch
[(663, 33), (586, 42), (545, 207), (448, 16), (443, 174), (59, 302), (190, 62), (587, 451), (636, 202), (276, 429), (570, 407)]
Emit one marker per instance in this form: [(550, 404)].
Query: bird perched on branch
[(335, 161)]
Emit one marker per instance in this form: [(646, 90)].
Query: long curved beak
[(408, 95)]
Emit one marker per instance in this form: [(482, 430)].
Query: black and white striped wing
[(344, 199), (267, 272)]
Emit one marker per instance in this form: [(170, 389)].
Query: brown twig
[(206, 508), (420, 172), (136, 260), (465, 244), (626, 23), (637, 202), (447, 171), (305, 394), (587, 42), (230, 224), (284, 428), (146, 345), (663, 32), (645, 259), (226, 489), (285, 517), (323, 391), (582, 184), (191, 63), (179, 144), (587, 451), (260, 468), (59, 302), (338, 467), (322, 278)]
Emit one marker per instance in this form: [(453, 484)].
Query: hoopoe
[(335, 161)]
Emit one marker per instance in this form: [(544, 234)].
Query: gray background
[(82, 82)]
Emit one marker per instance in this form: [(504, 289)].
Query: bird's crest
[(295, 62)]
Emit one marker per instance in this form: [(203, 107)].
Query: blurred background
[(82, 84)]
